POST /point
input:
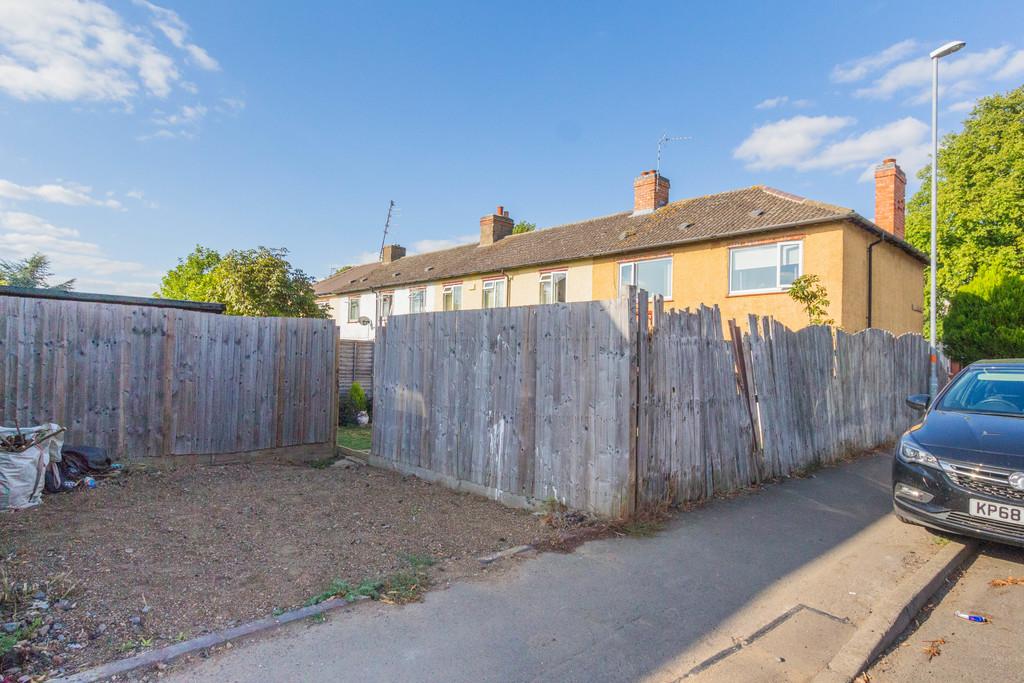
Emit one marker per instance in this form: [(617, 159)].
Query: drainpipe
[(871, 278)]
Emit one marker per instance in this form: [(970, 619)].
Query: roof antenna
[(662, 141), (387, 224)]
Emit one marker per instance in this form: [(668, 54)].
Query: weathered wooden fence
[(527, 400), (355, 364), (718, 415), (590, 404), (146, 381)]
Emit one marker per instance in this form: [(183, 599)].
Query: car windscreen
[(998, 391)]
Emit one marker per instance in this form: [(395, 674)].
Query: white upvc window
[(494, 293), (653, 275), (552, 287), (353, 309), (451, 297), (387, 302), (417, 300), (765, 267)]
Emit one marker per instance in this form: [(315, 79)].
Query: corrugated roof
[(748, 210)]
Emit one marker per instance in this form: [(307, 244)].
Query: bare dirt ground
[(154, 557)]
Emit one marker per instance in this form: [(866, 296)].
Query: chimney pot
[(650, 192), (392, 252), (495, 227), (891, 197)]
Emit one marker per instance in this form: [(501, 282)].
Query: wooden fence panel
[(523, 400), (355, 364), (144, 381), (602, 408)]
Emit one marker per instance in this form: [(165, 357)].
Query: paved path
[(801, 562), (972, 652)]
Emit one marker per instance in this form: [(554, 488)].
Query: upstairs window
[(494, 293), (386, 303), (417, 300), (451, 297), (353, 309), (552, 287), (654, 275), (764, 268)]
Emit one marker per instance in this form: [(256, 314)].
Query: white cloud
[(140, 196), (82, 50), (23, 234), (955, 74), (70, 194), (810, 143), (858, 69), (171, 25), (962, 106), (772, 102), (230, 105), (787, 142), (1014, 67), (187, 115), (421, 246)]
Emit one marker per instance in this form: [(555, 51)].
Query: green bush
[(986, 317), (357, 397)]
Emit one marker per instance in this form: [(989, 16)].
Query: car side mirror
[(919, 401)]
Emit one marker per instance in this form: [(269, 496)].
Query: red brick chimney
[(650, 192), (392, 252), (890, 197), (495, 227)]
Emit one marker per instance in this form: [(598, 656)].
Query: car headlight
[(911, 452)]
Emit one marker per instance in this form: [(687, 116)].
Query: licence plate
[(1011, 514)]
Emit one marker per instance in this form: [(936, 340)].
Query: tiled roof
[(749, 210)]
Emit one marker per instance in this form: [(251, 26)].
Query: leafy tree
[(258, 282), (986, 317), (981, 197), (808, 291), (33, 272), (357, 396), (523, 226)]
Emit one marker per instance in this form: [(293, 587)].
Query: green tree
[(523, 226), (986, 317), (808, 291), (258, 282), (981, 197), (33, 272)]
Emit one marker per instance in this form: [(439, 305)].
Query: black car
[(961, 469)]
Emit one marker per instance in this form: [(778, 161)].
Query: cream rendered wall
[(339, 311)]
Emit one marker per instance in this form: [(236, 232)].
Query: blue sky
[(132, 131)]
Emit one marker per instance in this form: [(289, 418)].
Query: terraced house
[(739, 249)]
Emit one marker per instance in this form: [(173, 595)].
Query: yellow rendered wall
[(898, 292), (700, 275)]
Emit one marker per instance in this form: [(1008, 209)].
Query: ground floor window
[(765, 267), (552, 287), (451, 297), (353, 310), (417, 300), (653, 275), (494, 293)]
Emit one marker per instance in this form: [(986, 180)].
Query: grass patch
[(394, 589), (356, 438), (642, 527)]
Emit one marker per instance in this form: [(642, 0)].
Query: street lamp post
[(947, 49)]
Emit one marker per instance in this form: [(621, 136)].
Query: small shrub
[(357, 397), (808, 291)]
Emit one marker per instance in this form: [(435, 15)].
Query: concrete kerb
[(172, 652), (894, 613)]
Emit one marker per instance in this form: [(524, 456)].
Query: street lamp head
[(947, 49)]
